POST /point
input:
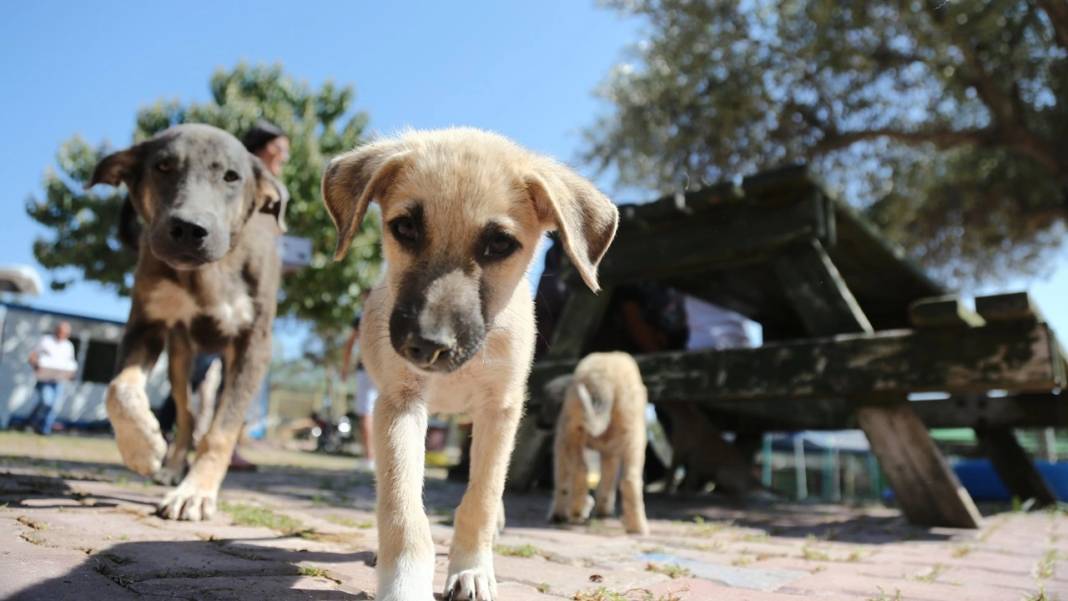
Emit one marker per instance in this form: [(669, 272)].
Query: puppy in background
[(450, 327), (604, 409)]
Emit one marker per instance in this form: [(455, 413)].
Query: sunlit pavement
[(76, 525)]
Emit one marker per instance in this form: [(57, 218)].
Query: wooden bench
[(851, 328)]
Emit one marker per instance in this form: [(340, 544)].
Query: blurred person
[(268, 142), (366, 391), (53, 363)]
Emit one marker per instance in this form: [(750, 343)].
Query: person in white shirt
[(53, 363)]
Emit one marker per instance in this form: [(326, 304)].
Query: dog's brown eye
[(165, 166), (231, 176), (405, 230), (499, 246)]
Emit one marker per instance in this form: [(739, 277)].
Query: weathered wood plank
[(817, 291), (736, 233), (943, 312), (1014, 306), (1014, 466), (973, 411), (927, 490), (579, 320), (994, 357)]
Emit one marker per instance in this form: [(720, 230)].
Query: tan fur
[(461, 180), (604, 409)]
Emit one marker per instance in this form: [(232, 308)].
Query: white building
[(96, 345)]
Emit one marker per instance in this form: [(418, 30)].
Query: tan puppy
[(604, 409), (450, 327)]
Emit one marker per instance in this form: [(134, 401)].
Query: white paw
[(187, 502), (136, 432), (404, 587), (475, 584)]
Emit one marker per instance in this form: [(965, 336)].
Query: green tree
[(83, 242), (946, 120)]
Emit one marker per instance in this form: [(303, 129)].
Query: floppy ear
[(116, 167), (585, 218), (352, 180), (271, 195)]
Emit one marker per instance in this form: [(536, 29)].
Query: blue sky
[(525, 69)]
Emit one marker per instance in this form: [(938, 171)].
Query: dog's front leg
[(246, 364), (136, 430), (471, 574), (179, 363), (405, 549)]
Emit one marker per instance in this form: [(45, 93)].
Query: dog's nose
[(187, 232), (425, 352)]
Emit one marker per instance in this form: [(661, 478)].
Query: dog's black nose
[(187, 232), (425, 353)]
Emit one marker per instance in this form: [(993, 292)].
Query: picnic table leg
[(1014, 466), (927, 490)]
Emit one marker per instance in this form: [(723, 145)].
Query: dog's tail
[(596, 400), (129, 225)]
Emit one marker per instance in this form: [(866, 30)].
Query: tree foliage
[(83, 242), (946, 120)]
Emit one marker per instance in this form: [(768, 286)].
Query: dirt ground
[(75, 524)]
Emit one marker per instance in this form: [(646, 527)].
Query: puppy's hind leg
[(136, 430), (405, 549), (605, 496), (179, 362), (631, 485), (471, 574)]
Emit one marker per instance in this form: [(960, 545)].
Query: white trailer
[(96, 345)]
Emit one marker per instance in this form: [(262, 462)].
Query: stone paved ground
[(75, 525)]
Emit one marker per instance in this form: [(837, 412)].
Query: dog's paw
[(169, 475), (406, 588), (187, 502), (136, 431), (475, 584)]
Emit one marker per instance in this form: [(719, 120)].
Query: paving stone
[(90, 533)]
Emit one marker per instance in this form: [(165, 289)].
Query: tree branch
[(941, 138), (1057, 12)]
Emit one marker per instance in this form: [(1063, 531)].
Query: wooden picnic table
[(851, 329)]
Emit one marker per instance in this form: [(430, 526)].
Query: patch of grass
[(638, 594), (705, 528), (526, 550), (543, 587), (931, 575), (961, 551), (1039, 595), (313, 571), (742, 561), (755, 537), (243, 514), (1046, 565), (341, 520), (671, 570), (810, 553), (884, 596)]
